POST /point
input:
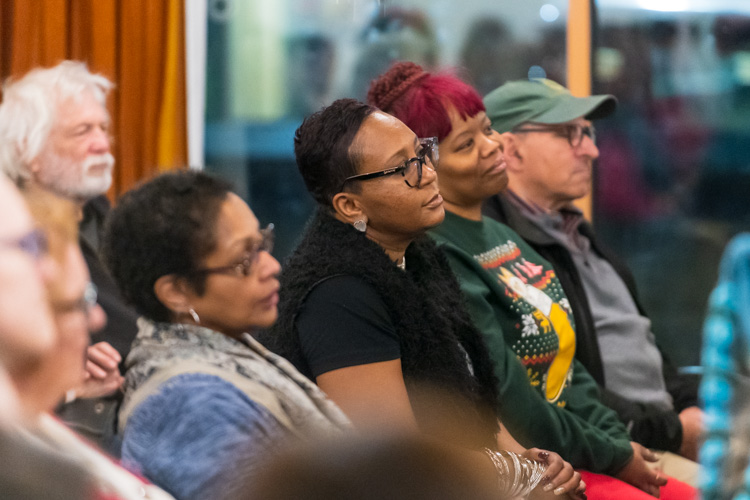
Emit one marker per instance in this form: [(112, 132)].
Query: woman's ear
[(348, 207), (172, 292)]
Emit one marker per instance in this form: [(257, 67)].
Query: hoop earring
[(360, 225), (194, 315)]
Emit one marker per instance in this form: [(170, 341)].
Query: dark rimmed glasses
[(33, 243), (573, 132), (411, 169), (244, 267)]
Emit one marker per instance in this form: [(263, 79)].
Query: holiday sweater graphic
[(526, 297)]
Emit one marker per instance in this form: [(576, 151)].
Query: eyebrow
[(74, 127), (243, 242), (461, 136), (400, 153)]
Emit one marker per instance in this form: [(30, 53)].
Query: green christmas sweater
[(547, 398)]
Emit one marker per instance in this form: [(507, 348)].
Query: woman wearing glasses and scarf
[(546, 397), (201, 395), (369, 308)]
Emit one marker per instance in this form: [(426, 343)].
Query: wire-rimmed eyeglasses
[(574, 132), (33, 243), (85, 303), (245, 266)]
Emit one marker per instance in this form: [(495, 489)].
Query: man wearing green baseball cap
[(549, 146)]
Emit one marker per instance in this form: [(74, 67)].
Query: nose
[(429, 172), (498, 139), (48, 269), (588, 148), (489, 145), (100, 141), (270, 267), (97, 318)]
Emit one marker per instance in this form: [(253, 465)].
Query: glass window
[(272, 63), (673, 175)]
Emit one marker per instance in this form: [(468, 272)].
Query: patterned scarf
[(161, 345)]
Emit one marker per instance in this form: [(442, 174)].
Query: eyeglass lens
[(34, 243), (265, 245), (428, 149), (578, 131), (84, 304)]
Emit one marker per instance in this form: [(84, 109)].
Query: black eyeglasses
[(573, 132), (34, 243), (411, 169), (245, 267)]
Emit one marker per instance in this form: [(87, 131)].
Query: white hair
[(29, 109)]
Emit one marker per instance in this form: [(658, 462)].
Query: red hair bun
[(393, 83)]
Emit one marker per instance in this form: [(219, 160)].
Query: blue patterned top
[(725, 388)]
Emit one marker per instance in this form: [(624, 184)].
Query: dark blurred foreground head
[(395, 467)]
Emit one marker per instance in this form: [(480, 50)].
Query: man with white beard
[(54, 128), (54, 133)]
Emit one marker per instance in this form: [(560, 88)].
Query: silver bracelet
[(522, 479)]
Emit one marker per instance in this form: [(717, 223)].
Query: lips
[(498, 166), (272, 299), (98, 168), (435, 201)]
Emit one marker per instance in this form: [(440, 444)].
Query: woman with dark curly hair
[(200, 392), (369, 308)]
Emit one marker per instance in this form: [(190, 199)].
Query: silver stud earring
[(194, 315), (360, 225)]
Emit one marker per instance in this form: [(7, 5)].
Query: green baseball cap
[(542, 101)]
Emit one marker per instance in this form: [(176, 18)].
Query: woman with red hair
[(512, 293)]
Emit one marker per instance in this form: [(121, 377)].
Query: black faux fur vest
[(427, 311)]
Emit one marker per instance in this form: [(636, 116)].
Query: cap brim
[(592, 108)]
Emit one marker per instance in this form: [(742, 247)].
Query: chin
[(267, 320), (500, 185), (435, 219)]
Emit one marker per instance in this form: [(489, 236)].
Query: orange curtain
[(579, 64), (138, 44)]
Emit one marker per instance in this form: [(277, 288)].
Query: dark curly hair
[(322, 147), (165, 226)]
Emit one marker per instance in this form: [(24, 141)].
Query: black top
[(422, 305), (332, 311)]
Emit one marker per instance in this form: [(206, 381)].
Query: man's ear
[(348, 207), (173, 293), (512, 149), (34, 167)]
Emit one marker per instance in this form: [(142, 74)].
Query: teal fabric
[(725, 388), (541, 101)]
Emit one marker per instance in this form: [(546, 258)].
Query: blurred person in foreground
[(725, 388), (369, 308), (513, 295), (44, 383), (201, 395), (27, 334), (54, 134), (408, 467), (549, 142)]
